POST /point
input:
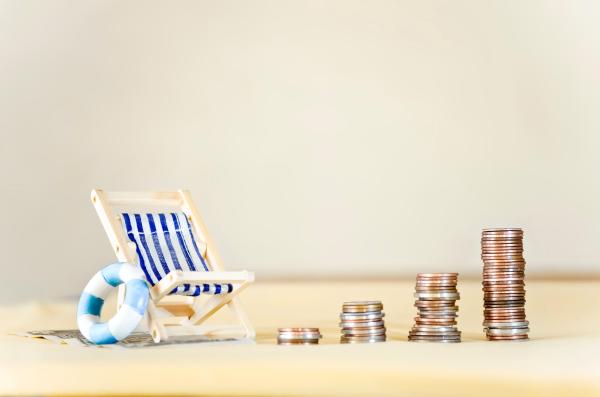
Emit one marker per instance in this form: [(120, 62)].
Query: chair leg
[(236, 306), (202, 313), (157, 330)]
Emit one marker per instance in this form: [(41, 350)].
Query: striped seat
[(164, 242)]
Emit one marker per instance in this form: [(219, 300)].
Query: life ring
[(129, 314)]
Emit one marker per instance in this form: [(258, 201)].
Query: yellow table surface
[(562, 357)]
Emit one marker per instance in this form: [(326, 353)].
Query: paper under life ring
[(127, 317)]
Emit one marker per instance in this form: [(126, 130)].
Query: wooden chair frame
[(172, 315)]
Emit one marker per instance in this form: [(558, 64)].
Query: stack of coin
[(504, 284), (298, 336), (436, 295), (362, 322)]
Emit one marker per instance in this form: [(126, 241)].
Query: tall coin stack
[(436, 295), (504, 284), (362, 322)]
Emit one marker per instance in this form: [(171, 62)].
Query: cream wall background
[(319, 138)]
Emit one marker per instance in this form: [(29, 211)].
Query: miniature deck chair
[(163, 233)]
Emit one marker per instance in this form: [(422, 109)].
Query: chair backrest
[(164, 242), (111, 205)]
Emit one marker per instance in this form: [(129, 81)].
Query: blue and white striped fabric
[(129, 315), (165, 242)]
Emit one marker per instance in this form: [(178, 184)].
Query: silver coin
[(363, 332), (288, 338), (437, 295), (419, 340), (299, 337), (434, 336), (362, 324), (433, 340), (363, 316), (362, 340), (354, 327), (300, 332), (506, 331), (429, 328), (434, 328), (288, 343), (359, 337), (455, 334), (363, 337), (506, 324)]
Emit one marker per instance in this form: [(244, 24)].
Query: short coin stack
[(436, 295), (298, 336), (504, 284), (362, 322)]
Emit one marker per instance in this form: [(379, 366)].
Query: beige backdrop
[(319, 138)]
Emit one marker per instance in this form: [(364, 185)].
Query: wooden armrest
[(216, 277), (175, 278)]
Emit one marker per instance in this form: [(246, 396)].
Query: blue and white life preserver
[(127, 317)]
